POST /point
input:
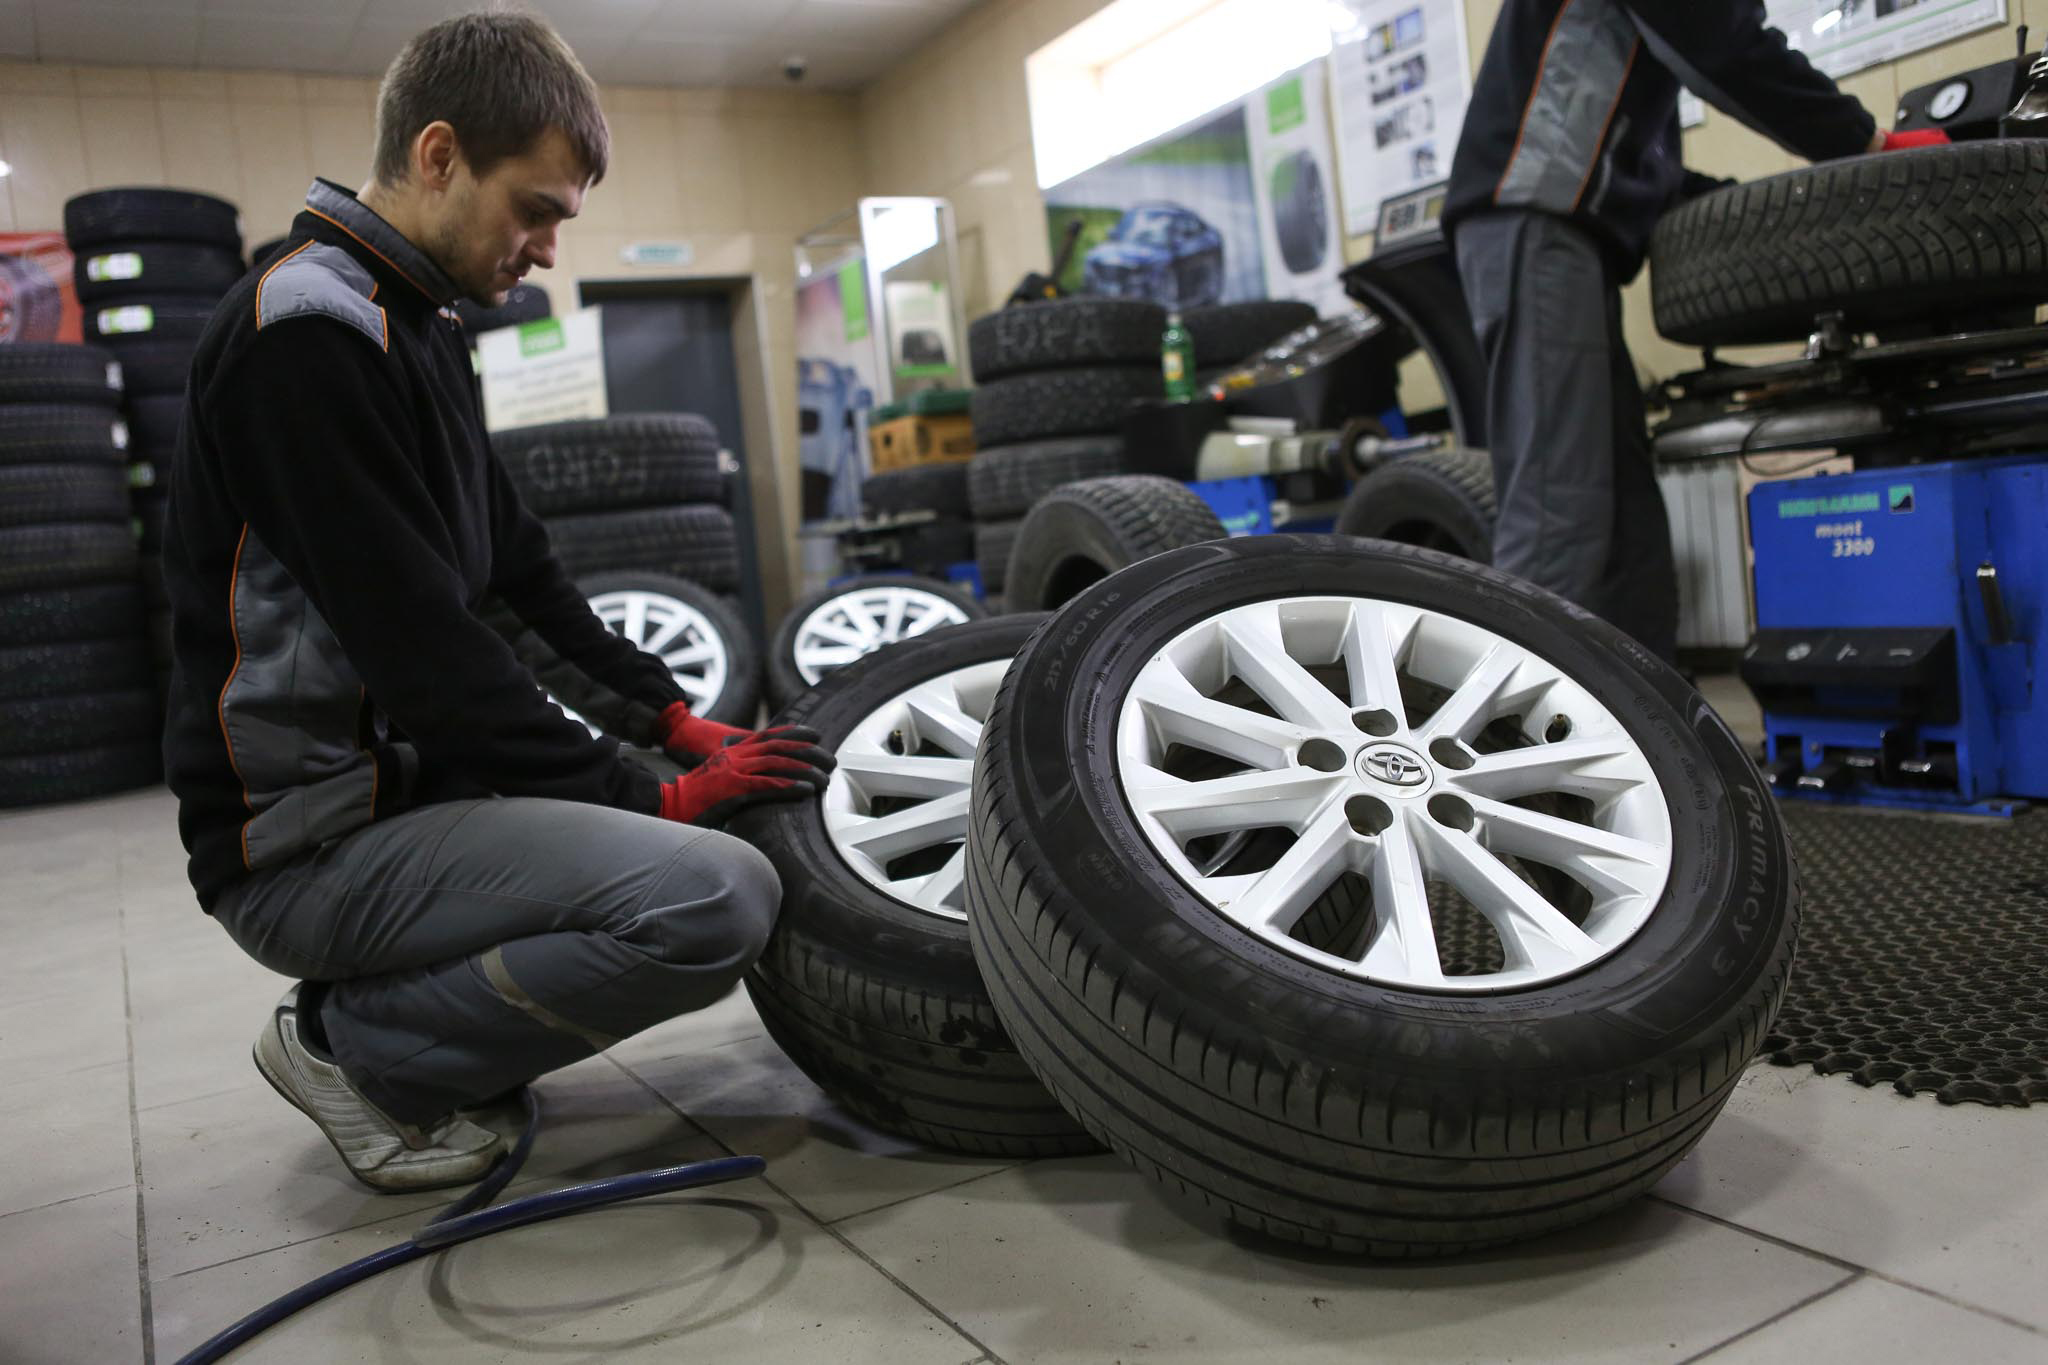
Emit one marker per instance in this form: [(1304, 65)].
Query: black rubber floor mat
[(1923, 961)]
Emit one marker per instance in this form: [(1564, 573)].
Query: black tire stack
[(77, 716), (641, 491), (1054, 381), (150, 265)]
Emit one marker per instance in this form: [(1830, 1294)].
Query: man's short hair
[(500, 79)]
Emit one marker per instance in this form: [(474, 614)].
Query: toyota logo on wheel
[(1394, 766)]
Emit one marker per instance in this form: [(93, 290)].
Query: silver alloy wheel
[(1334, 762), (675, 632), (860, 621), (898, 801)]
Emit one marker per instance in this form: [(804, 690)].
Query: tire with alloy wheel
[(708, 649), (1442, 500), (1086, 531), (1579, 906), (849, 620), (868, 983)]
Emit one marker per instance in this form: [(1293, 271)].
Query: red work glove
[(689, 740), (1930, 137), (748, 773)]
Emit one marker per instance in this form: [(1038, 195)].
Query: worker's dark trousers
[(475, 945), (1580, 511)]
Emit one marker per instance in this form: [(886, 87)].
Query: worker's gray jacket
[(336, 519), (1575, 109)]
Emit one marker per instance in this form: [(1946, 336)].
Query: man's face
[(495, 228)]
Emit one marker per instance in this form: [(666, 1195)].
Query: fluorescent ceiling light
[(5, 169), (1827, 21), (898, 232)]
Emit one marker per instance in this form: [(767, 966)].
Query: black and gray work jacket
[(1575, 109), (336, 518)]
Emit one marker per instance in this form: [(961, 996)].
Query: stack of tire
[(1053, 382), (635, 508), (149, 266), (77, 716), (1056, 381)]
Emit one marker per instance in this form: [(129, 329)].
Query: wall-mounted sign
[(551, 370), (657, 253)]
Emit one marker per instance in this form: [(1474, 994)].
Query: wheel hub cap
[(1396, 767)]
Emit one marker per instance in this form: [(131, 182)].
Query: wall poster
[(1403, 77), (1840, 36), (1239, 204)]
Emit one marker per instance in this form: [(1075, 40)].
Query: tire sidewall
[(1719, 925), (823, 899)]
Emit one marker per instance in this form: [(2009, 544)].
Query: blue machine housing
[(1901, 622)]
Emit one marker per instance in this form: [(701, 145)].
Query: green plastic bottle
[(1177, 361)]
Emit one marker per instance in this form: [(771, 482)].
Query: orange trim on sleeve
[(1542, 63), (385, 316), (374, 252), (221, 707), (266, 280), (1608, 122)]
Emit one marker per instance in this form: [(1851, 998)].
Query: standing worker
[(375, 796), (1570, 154)]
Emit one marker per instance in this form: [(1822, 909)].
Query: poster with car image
[(1402, 76), (1174, 220), (1238, 204), (1291, 153)]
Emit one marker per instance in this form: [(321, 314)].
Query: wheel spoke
[(944, 889), (1371, 657), (941, 721), (698, 688), (932, 618), (892, 616), (859, 618), (1468, 709), (1254, 800), (634, 627), (1181, 714), (1581, 767), (664, 634), (1613, 862), (936, 821), (839, 632), (1271, 901), (1534, 935), (880, 774), (1259, 658), (702, 652), (1403, 946)]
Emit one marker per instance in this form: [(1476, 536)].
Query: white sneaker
[(381, 1152)]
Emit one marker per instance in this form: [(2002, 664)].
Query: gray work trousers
[(474, 945), (1580, 511)]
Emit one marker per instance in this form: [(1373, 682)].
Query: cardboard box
[(933, 439)]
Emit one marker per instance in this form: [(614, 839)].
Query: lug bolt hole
[(1321, 755), (1450, 811), (1368, 814), (1451, 754), (1376, 723)]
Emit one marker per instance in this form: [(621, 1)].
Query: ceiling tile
[(717, 19), (596, 15), (413, 15), (286, 44), (326, 11), (655, 61), (862, 24), (89, 33), (828, 68), (18, 29), (373, 47)]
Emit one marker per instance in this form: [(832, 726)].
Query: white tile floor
[(154, 1189)]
